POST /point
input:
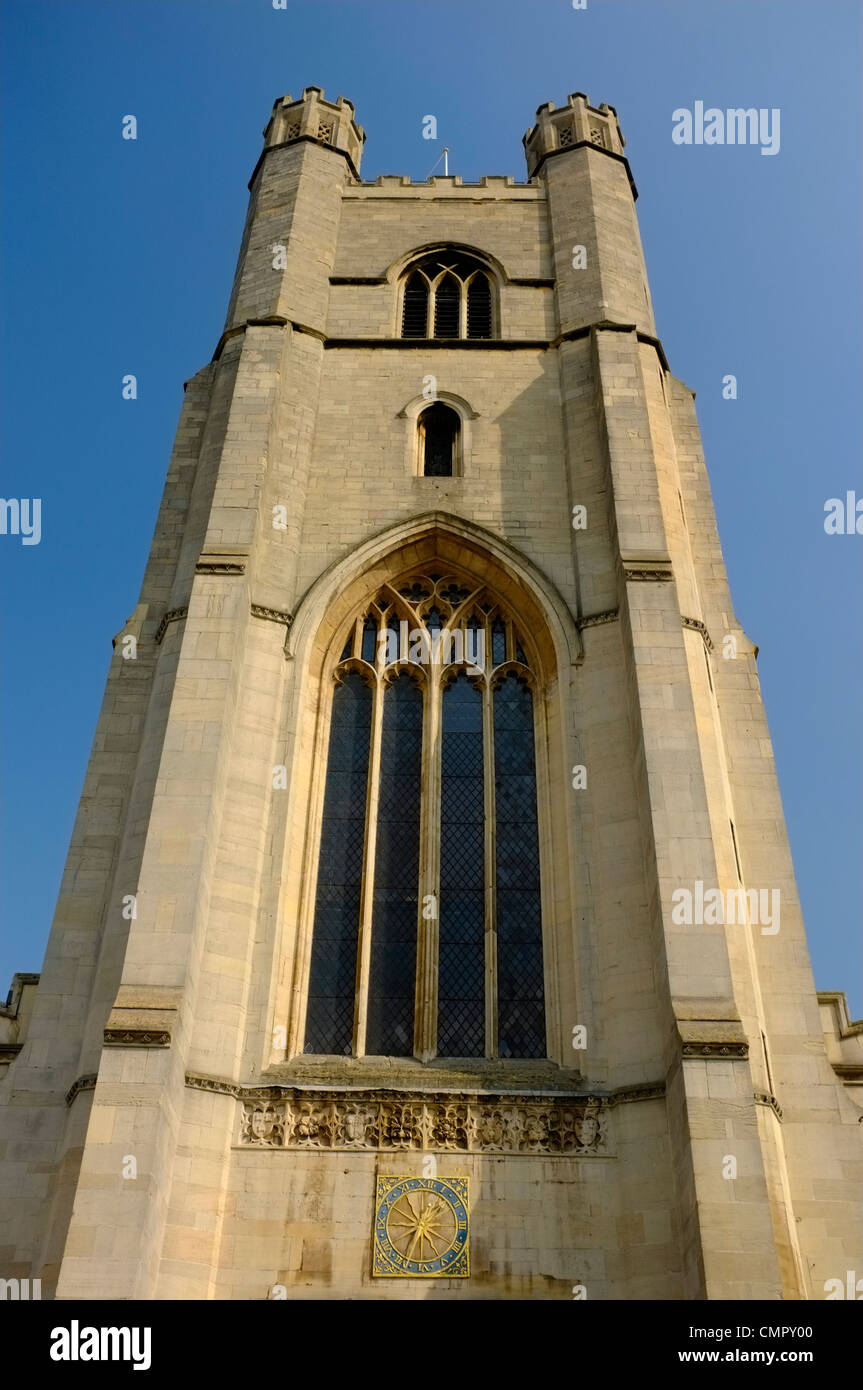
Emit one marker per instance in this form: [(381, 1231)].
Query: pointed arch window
[(447, 295), (427, 935)]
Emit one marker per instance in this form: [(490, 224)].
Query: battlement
[(577, 123), (442, 187), (333, 125), (443, 181), (313, 118)]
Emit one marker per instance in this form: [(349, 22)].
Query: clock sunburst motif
[(421, 1228)]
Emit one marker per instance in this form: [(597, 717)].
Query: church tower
[(429, 926)]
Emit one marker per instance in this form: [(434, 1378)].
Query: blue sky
[(117, 257)]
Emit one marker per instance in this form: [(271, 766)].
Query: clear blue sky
[(118, 257)]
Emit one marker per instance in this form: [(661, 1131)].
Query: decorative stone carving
[(272, 615), (765, 1098), (173, 615), (136, 1037), (587, 1127), (648, 574), (311, 1126), (264, 1125), (83, 1083), (596, 619), (698, 626), (356, 1127), (219, 567), (491, 1129), (723, 1051), (449, 1126), (273, 1118), (399, 1126)]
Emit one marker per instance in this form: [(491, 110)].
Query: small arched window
[(447, 296), (439, 428)]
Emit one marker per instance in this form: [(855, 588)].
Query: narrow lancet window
[(521, 1004), (332, 980), (461, 950), (395, 903)]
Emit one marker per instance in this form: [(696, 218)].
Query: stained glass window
[(395, 903), (461, 951), (498, 642), (444, 834), (368, 645), (332, 979), (521, 1006)]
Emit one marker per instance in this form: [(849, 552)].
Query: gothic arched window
[(427, 935), (447, 295), (439, 427)]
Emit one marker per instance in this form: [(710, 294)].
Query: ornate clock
[(422, 1228)]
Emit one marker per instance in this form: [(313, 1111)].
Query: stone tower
[(342, 911)]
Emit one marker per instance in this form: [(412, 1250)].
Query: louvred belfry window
[(447, 296), (479, 307), (415, 307), (427, 934), (446, 307)]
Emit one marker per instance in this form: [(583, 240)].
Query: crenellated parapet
[(327, 123), (577, 123)]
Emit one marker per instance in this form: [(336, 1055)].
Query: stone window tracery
[(427, 934), (447, 295)]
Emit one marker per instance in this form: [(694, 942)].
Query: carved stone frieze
[(721, 1050), (448, 1123), (136, 1037), (264, 1125), (653, 573), (219, 567)]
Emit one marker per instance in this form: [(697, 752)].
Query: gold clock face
[(421, 1228)]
